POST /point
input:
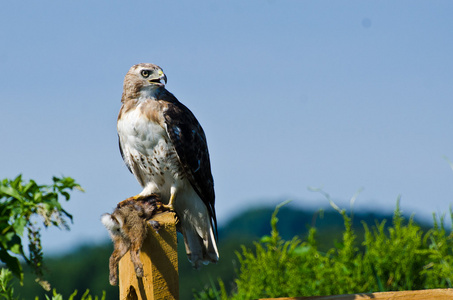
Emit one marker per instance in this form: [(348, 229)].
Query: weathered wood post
[(160, 265)]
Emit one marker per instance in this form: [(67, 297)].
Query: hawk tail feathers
[(200, 250)]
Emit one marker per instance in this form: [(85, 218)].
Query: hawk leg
[(171, 202)]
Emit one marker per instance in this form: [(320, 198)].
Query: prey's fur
[(127, 226)]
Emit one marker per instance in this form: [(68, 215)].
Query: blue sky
[(341, 95)]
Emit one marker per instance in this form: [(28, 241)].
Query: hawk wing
[(190, 144), (122, 155)]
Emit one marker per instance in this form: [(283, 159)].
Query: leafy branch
[(20, 203)]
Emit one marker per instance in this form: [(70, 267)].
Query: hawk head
[(143, 77)]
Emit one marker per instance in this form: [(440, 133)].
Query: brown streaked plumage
[(164, 146)]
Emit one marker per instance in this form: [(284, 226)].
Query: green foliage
[(6, 290), (85, 268), (19, 203), (400, 256), (85, 296), (211, 292)]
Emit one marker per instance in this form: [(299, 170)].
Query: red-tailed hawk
[(165, 148)]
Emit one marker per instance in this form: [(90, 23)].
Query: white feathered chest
[(147, 151)]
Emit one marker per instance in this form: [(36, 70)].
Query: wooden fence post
[(160, 265)]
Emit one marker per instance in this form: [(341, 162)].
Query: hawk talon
[(167, 207), (127, 201), (155, 225)]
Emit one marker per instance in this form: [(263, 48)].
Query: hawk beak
[(162, 76), (161, 80)]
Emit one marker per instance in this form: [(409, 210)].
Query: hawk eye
[(145, 73)]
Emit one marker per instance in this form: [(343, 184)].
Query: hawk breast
[(148, 151)]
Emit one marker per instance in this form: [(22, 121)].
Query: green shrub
[(393, 257)]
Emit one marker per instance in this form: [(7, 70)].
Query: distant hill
[(87, 267), (255, 223)]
